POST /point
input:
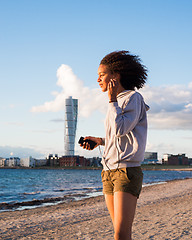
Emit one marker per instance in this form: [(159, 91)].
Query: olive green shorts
[(122, 180)]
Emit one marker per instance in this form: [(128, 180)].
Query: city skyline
[(51, 50)]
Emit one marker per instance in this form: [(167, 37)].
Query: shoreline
[(144, 167), (38, 203), (163, 212)]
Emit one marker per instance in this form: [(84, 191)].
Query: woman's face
[(104, 76)]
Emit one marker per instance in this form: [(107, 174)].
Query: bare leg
[(124, 212), (109, 199)]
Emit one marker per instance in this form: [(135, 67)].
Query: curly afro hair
[(132, 73)]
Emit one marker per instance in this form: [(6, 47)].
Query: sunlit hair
[(132, 73)]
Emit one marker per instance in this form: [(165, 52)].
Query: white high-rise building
[(71, 113)]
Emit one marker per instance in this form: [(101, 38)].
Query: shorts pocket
[(129, 173), (124, 174), (134, 173), (104, 176)]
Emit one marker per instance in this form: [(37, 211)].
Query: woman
[(120, 73)]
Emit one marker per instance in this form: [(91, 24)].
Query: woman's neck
[(120, 89)]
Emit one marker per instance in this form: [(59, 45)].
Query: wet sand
[(164, 211)]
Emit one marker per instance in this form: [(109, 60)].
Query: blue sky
[(52, 49)]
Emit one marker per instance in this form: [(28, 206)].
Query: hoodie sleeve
[(124, 120)]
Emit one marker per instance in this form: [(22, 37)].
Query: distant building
[(2, 162), (40, 162), (27, 162), (73, 161), (52, 160), (190, 161), (165, 158), (71, 114), (150, 158), (95, 162), (150, 155), (79, 161), (180, 159), (12, 162)]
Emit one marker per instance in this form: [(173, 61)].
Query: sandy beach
[(164, 211)]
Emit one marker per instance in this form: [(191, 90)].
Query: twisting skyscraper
[(71, 113)]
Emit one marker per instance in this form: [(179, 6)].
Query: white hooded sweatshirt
[(126, 131)]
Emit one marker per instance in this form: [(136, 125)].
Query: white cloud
[(58, 120), (190, 85), (12, 105), (89, 99), (161, 148), (170, 106), (18, 124)]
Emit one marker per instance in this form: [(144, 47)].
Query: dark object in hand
[(90, 142)]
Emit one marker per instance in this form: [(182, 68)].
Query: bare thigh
[(124, 212), (121, 207), (109, 199)]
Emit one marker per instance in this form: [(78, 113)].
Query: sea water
[(23, 186)]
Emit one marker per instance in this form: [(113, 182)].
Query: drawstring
[(103, 158), (118, 151)]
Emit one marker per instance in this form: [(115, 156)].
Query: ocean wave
[(4, 206), (151, 184), (77, 190), (31, 193)]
